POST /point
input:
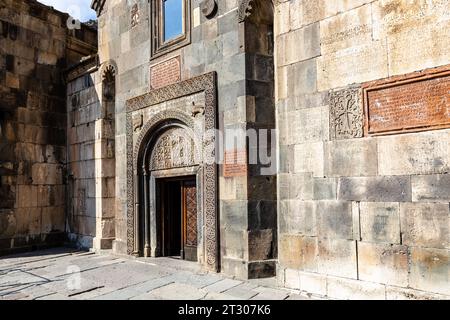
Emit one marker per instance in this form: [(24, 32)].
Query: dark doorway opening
[(177, 207)]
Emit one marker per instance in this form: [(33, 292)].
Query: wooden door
[(189, 208)]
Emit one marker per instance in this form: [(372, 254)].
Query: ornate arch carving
[(260, 11), (151, 127)]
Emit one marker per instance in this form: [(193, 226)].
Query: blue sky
[(79, 9)]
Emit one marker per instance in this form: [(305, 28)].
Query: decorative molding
[(191, 86), (205, 83), (346, 114)]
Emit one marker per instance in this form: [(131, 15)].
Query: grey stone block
[(433, 188), (425, 224), (380, 222), (325, 188), (375, 189), (335, 220)]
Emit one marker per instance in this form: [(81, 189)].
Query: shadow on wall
[(91, 155)]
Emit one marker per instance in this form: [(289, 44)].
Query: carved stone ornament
[(138, 122), (346, 114), (261, 11), (208, 7), (197, 110)]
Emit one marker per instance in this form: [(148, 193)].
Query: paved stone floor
[(65, 274)]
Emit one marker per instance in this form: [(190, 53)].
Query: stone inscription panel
[(410, 104), (165, 73), (235, 163)]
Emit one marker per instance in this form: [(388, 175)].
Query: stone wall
[(91, 164), (217, 44), (359, 216), (34, 48)]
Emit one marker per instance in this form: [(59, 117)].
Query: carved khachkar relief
[(346, 114), (207, 84), (173, 149)]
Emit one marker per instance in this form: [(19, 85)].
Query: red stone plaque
[(165, 73), (235, 164), (416, 102)]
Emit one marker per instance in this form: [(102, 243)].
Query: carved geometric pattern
[(135, 15), (191, 215), (173, 149), (346, 114), (205, 83)]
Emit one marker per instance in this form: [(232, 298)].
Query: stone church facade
[(307, 140)]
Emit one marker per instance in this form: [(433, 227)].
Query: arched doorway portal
[(172, 183), (170, 188)]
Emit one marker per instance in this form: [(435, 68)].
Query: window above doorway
[(170, 25)]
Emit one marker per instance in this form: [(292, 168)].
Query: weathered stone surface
[(425, 224), (325, 188), (346, 30), (308, 125), (298, 252), (396, 293), (429, 270), (399, 22), (375, 189), (295, 186), (348, 66), (334, 220), (299, 45), (381, 263), (291, 278), (338, 258), (350, 158), (309, 158), (348, 289), (313, 283), (380, 222), (431, 188), (416, 153), (297, 217)]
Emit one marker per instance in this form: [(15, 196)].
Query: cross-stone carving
[(346, 114)]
